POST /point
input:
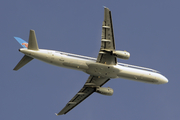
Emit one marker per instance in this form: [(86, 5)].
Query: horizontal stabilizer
[(32, 44), (23, 62)]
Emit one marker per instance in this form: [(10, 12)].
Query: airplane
[(100, 69)]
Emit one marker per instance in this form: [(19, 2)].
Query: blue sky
[(149, 30)]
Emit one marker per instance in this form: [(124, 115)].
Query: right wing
[(88, 88)]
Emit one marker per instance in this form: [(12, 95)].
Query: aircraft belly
[(138, 75), (102, 70), (68, 62), (92, 67), (47, 56), (75, 64)]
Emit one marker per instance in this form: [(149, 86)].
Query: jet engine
[(121, 54), (105, 91)]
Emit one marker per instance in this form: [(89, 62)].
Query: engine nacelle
[(121, 54), (105, 91)]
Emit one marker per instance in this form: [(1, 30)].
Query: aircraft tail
[(32, 45), (23, 43)]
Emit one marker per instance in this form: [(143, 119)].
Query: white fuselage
[(90, 66)]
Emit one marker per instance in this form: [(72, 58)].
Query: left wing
[(86, 91), (107, 41)]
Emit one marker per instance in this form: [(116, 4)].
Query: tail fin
[(32, 45)]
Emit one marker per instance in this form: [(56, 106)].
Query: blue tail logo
[(23, 43)]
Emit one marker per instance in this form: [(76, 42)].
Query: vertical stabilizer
[(23, 62), (32, 44)]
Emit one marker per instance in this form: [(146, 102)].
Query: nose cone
[(163, 80)]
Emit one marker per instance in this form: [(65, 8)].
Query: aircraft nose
[(163, 80)]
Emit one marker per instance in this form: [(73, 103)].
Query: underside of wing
[(107, 41), (86, 91)]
